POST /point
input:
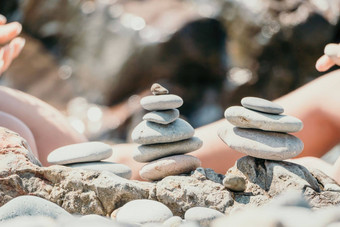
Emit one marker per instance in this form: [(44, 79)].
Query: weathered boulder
[(92, 192)]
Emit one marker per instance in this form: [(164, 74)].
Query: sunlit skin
[(46, 129)]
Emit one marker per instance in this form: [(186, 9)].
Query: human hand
[(12, 44), (330, 58)]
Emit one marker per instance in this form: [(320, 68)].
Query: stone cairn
[(164, 137), (88, 155), (259, 129)]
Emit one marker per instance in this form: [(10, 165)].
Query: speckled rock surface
[(91, 192)]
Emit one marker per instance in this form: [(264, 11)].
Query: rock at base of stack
[(164, 137), (258, 129), (88, 155)]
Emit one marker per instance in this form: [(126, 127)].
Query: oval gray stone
[(80, 152), (162, 117), (31, 206), (151, 133), (245, 118), (161, 102), (143, 211), (262, 105), (169, 166), (261, 144), (115, 168), (234, 182), (203, 215), (147, 153)]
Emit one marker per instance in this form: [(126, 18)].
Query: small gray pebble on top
[(261, 105), (158, 89)]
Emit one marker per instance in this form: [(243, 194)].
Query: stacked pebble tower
[(88, 156), (164, 137), (259, 129)]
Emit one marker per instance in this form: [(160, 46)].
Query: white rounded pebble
[(30, 221), (80, 152), (161, 102), (152, 133), (202, 215), (31, 206), (169, 166), (261, 144), (245, 118), (174, 221), (262, 105), (143, 211), (163, 117), (115, 168), (147, 153)]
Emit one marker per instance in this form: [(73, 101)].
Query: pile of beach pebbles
[(88, 155), (259, 129), (164, 137)]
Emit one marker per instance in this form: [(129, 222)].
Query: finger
[(9, 31), (7, 57), (17, 45), (3, 20), (324, 63)]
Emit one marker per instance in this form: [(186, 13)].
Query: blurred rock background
[(95, 59)]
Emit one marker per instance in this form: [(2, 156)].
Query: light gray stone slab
[(203, 215), (245, 118), (169, 166), (152, 133), (261, 144), (161, 102), (234, 182), (115, 168), (162, 117), (143, 211), (262, 105), (80, 152), (31, 206), (147, 153)]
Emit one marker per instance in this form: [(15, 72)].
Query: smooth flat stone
[(262, 105), (162, 117), (245, 118), (234, 182), (143, 211), (203, 215), (151, 133), (169, 166), (261, 144), (31, 206), (115, 168), (80, 152), (161, 102), (147, 153)]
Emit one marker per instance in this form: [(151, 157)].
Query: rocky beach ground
[(195, 198), (261, 189)]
